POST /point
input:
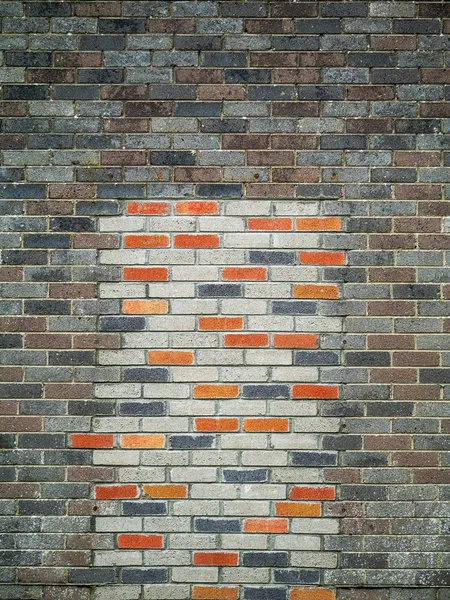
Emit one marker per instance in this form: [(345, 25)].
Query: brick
[(139, 541), (116, 491), (165, 491), (201, 592)]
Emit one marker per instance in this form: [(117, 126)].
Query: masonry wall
[(225, 297)]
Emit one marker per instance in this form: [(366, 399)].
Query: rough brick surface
[(224, 281)]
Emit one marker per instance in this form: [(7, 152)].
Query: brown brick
[(413, 225), (124, 125), (270, 158), (273, 59), (123, 157), (44, 575), (67, 592), (96, 240), (322, 59), (13, 141), (296, 76), (96, 340), (148, 109), (346, 475), (19, 490), (13, 109), (364, 527), (221, 92), (11, 373), (47, 340), (66, 558), (393, 274), (393, 42), (45, 207), (415, 459), (51, 75), (272, 26), (20, 423), (416, 392), (370, 92), (434, 109), (435, 209), (98, 9), (369, 126), (11, 273), (72, 190), (431, 475), (90, 474), (295, 109), (232, 141), (416, 359), (286, 9), (390, 342), (294, 142), (123, 92), (78, 59), (435, 76), (188, 75), (392, 242), (72, 290), (393, 375), (434, 242), (22, 323), (417, 191), (387, 442), (9, 407), (417, 159), (68, 390)]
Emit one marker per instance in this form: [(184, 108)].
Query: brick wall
[(225, 297)]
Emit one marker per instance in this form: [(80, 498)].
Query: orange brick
[(297, 509), (266, 424), (326, 292), (325, 392), (295, 340), (322, 258), (246, 340), (276, 224), (197, 240), (299, 492), (203, 592), (315, 224), (92, 440), (147, 241), (216, 559), (148, 208), (196, 208), (165, 491), (145, 307), (216, 391), (219, 424), (266, 526), (244, 274), (146, 274), (153, 440), (220, 323), (135, 540), (109, 492), (168, 357), (311, 594)]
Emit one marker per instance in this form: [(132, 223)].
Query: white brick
[(167, 458), (195, 374), (234, 541), (123, 257), (116, 524), (318, 324), (195, 307), (246, 240), (121, 357), (117, 592), (210, 508), (296, 542), (165, 424), (268, 290), (104, 558), (145, 340), (212, 457), (117, 390), (115, 457), (248, 208), (297, 374), (198, 474), (171, 323), (117, 224), (118, 424), (167, 224), (171, 256), (196, 574), (317, 424), (268, 357), (120, 290), (294, 442), (245, 374), (213, 490), (167, 557), (171, 290), (167, 524), (270, 323), (293, 274), (142, 474), (290, 475), (330, 526), (252, 491), (242, 306), (243, 407), (166, 591), (297, 209), (193, 541), (293, 408), (194, 340), (244, 440), (221, 257), (245, 575), (192, 408), (195, 273), (220, 224), (265, 458), (325, 560), (241, 508), (220, 357)]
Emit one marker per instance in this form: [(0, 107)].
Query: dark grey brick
[(265, 559), (130, 575), (144, 508), (146, 374), (245, 475), (217, 525), (265, 391), (219, 290), (314, 459), (186, 442)]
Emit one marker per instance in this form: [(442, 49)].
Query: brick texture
[(224, 368)]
